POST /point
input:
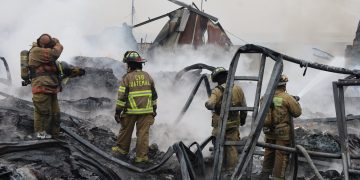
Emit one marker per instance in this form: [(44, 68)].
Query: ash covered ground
[(87, 111)]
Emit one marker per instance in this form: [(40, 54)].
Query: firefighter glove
[(82, 72), (118, 113), (266, 130), (78, 72), (242, 121), (154, 109)]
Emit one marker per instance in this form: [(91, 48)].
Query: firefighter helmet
[(133, 56), (283, 80), (45, 41), (216, 72)]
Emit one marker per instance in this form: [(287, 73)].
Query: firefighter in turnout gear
[(277, 130), (235, 119), (136, 105), (46, 74)]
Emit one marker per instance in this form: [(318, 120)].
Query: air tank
[(24, 63)]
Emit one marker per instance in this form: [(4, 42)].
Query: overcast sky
[(251, 20), (267, 20)]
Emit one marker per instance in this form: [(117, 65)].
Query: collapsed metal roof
[(353, 51), (188, 25), (357, 37), (88, 147)]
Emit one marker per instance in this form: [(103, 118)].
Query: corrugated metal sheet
[(216, 35), (194, 30), (357, 37), (188, 27), (184, 20)]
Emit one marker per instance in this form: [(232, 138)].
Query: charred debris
[(83, 152), (187, 26)]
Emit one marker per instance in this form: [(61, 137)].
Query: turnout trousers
[(230, 152), (46, 113), (276, 161), (143, 123)]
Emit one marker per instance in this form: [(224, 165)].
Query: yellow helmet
[(283, 80)]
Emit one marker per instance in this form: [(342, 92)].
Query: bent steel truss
[(259, 115), (6, 81)]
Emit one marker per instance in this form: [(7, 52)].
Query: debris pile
[(67, 159), (84, 149)]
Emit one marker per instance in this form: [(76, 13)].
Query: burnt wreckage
[(84, 151), (243, 169), (187, 25)]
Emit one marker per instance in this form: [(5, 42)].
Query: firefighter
[(136, 104), (277, 130), (45, 74), (235, 119)]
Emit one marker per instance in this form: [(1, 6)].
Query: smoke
[(79, 25), (84, 29), (287, 22), (196, 124)]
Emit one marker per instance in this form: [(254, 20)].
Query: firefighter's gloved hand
[(266, 130), (52, 43), (77, 72), (297, 98), (55, 40), (242, 121), (154, 109), (82, 72), (118, 113)]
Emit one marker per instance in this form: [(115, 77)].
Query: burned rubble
[(72, 160), (83, 151)]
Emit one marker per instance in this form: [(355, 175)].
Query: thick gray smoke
[(314, 88), (80, 26), (88, 28)]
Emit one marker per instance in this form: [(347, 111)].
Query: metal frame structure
[(8, 75), (245, 160), (192, 163), (258, 118), (338, 89), (259, 115), (196, 87)]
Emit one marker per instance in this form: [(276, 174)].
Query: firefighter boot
[(117, 152)]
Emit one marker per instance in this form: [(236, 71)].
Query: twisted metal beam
[(251, 48), (86, 161), (194, 67), (182, 152), (30, 145), (100, 152), (8, 74), (192, 95), (313, 167)]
